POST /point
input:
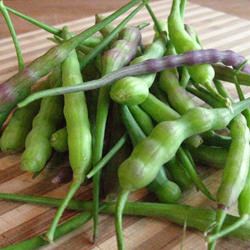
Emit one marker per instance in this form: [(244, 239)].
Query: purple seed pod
[(122, 51), (209, 56)]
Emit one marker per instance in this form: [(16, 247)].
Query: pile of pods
[(113, 105)]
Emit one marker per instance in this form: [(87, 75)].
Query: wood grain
[(21, 221)]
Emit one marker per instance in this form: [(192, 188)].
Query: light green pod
[(244, 198), (142, 118), (37, 145), (161, 145), (59, 140), (212, 156), (14, 135), (183, 42), (179, 174), (177, 95), (77, 122), (237, 163), (134, 90)]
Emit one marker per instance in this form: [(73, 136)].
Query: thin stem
[(108, 39), (120, 204), (220, 218), (15, 40), (229, 229), (120, 143), (72, 190), (237, 85), (37, 23), (199, 218), (220, 88), (142, 25), (162, 33), (63, 229), (190, 168)]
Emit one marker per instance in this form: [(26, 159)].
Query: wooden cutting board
[(19, 222)]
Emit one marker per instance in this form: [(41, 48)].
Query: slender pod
[(165, 190), (183, 42), (235, 171), (164, 113), (14, 135), (161, 112), (37, 145), (20, 124), (177, 96), (142, 118), (17, 87), (211, 156), (78, 129), (161, 145), (211, 138), (211, 56), (120, 54), (179, 174)]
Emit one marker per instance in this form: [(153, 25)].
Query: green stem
[(229, 229), (120, 143), (228, 74), (19, 85), (204, 96), (220, 88), (121, 202), (220, 218), (11, 28), (92, 41), (162, 33), (108, 39), (37, 23), (65, 228), (72, 190), (198, 218), (187, 164)]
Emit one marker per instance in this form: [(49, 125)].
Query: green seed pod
[(161, 145), (211, 156), (130, 88), (37, 145), (183, 42), (59, 140), (243, 202), (14, 135), (134, 90), (179, 174), (20, 124), (236, 168), (142, 118), (164, 189)]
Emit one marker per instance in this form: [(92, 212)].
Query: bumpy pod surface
[(161, 145)]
